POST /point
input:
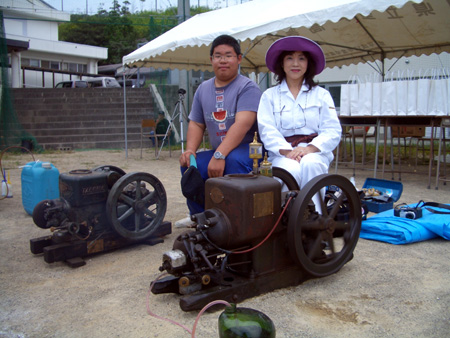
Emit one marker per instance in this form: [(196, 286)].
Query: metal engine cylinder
[(241, 208), (83, 194)]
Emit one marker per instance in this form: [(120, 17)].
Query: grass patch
[(408, 153)]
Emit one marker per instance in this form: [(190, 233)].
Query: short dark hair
[(280, 75), (225, 40)]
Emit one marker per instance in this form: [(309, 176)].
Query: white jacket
[(280, 116)]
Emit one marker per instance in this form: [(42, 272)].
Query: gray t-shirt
[(217, 107)]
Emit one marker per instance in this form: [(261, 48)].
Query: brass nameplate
[(263, 204)]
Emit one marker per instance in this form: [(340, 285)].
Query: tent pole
[(398, 59), (383, 54), (125, 110)]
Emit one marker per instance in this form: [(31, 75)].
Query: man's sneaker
[(184, 223)]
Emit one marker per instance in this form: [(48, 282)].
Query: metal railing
[(53, 72)]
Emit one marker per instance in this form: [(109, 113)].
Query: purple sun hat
[(294, 44)]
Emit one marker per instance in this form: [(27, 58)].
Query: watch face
[(218, 155)]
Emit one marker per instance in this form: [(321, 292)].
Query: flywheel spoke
[(316, 248), (138, 190), (342, 225), (127, 200), (337, 206), (150, 213), (313, 224), (126, 214), (137, 222), (150, 197), (330, 241)]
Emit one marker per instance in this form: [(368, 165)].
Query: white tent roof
[(349, 31)]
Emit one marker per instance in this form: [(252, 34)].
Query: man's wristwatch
[(219, 156)]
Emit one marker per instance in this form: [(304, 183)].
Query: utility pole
[(184, 13), (184, 10)]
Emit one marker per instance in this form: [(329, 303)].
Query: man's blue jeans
[(237, 162)]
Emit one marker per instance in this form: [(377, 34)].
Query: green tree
[(113, 30), (119, 30)]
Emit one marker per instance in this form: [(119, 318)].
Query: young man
[(226, 106)]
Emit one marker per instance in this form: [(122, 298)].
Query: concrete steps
[(83, 118)]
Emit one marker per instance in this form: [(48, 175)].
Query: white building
[(31, 28)]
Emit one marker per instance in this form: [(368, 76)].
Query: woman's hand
[(297, 153)]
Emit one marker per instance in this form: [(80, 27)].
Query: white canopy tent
[(349, 31)]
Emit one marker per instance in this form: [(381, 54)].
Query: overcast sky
[(79, 6)]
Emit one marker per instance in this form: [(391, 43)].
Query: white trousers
[(310, 166)]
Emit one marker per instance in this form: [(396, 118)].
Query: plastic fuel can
[(40, 181)]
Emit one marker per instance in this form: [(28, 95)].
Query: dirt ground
[(385, 291)]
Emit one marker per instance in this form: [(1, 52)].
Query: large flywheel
[(136, 205), (324, 224)]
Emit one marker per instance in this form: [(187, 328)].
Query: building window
[(77, 67), (67, 66), (54, 65), (35, 63), (335, 91), (30, 62), (72, 67)]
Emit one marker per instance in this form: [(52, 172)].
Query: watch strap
[(219, 156)]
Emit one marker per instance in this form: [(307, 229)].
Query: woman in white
[(297, 119)]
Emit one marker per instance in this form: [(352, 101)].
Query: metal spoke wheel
[(287, 180), (324, 224), (136, 205)]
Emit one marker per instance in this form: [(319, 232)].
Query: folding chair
[(445, 123), (147, 127), (351, 133)]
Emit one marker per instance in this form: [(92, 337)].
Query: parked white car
[(72, 84), (105, 82)]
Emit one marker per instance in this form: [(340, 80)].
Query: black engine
[(99, 210)]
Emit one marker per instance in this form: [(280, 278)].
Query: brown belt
[(295, 140)]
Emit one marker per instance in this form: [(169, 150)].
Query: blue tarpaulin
[(386, 227)]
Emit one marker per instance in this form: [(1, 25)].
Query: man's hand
[(184, 158), (194, 138), (216, 168)]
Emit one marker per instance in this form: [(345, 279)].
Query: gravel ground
[(385, 291)]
